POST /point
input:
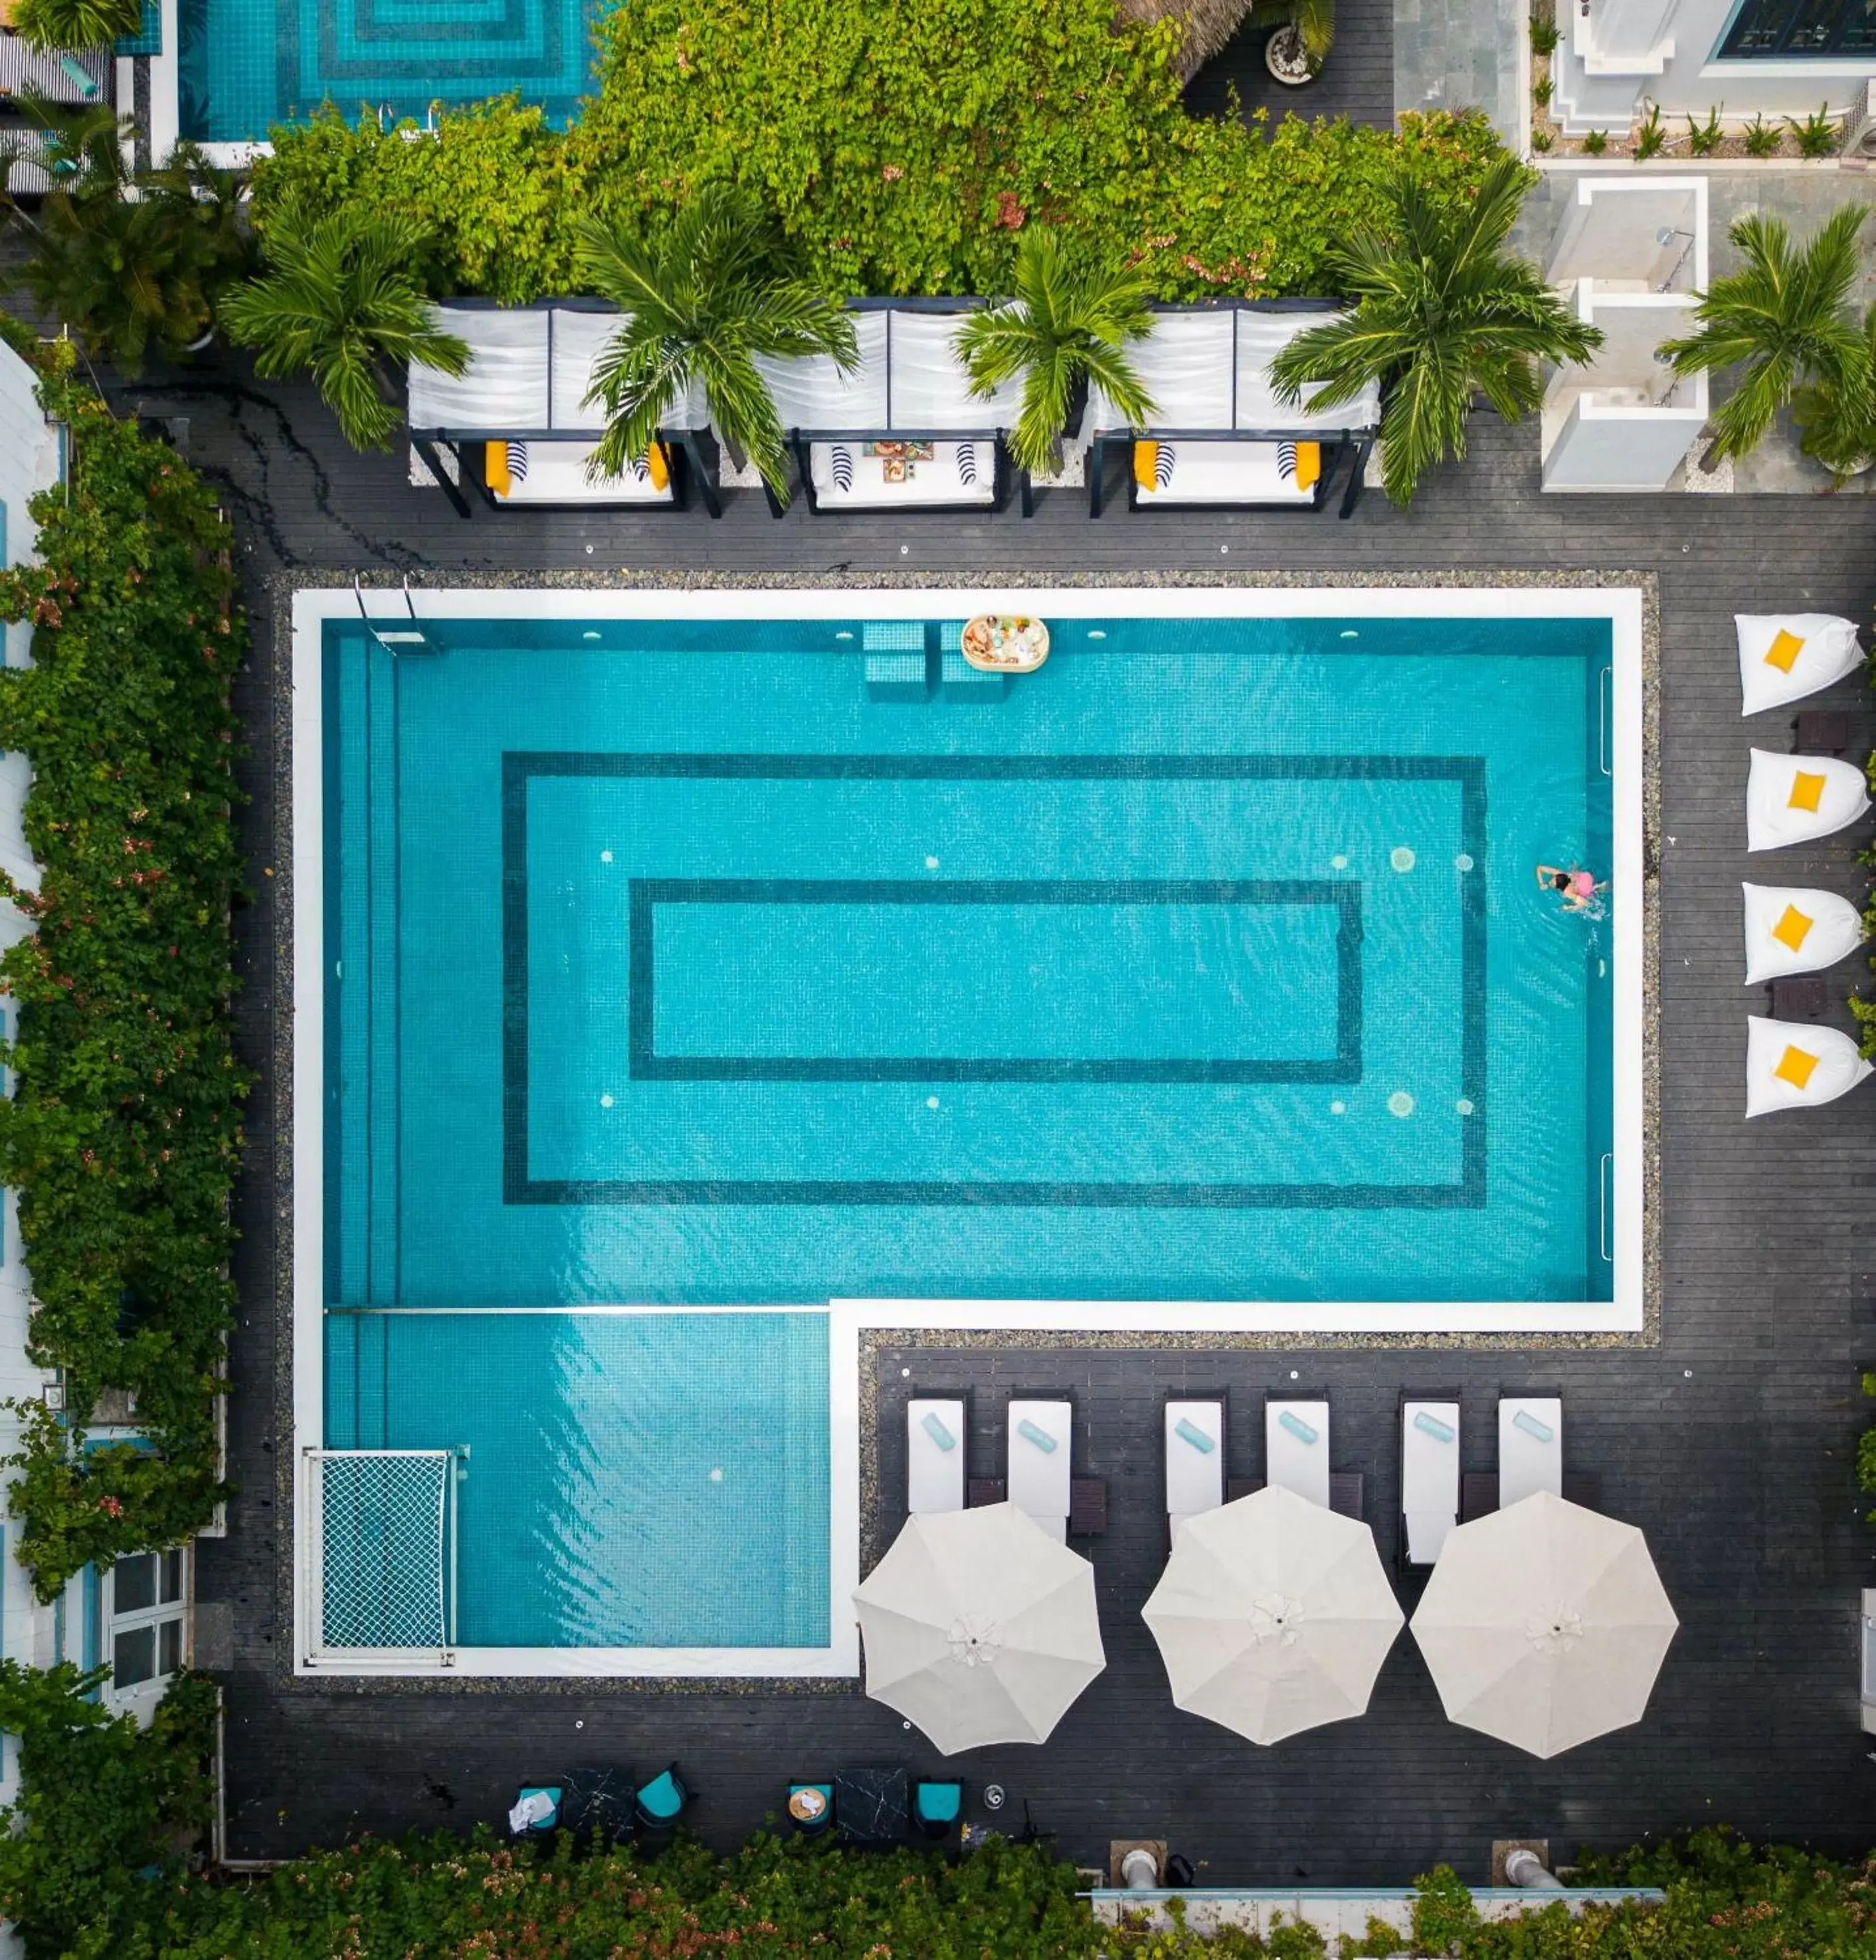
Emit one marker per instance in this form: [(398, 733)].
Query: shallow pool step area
[(899, 655)]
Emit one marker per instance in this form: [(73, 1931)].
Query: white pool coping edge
[(1621, 606)]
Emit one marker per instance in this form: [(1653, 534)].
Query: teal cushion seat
[(939, 1802), (662, 1798), (809, 1825), (551, 1793)]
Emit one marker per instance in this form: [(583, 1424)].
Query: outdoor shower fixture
[(1664, 238)]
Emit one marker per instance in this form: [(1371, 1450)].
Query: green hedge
[(107, 1807), (900, 141), (122, 1135)]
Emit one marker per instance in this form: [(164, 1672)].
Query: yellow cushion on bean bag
[(1807, 790), (496, 468), (1146, 465), (1784, 650), (658, 468), (1796, 1066), (1792, 928), (1308, 465)]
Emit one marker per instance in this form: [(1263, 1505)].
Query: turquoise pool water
[(1207, 963), (245, 64), (681, 964)]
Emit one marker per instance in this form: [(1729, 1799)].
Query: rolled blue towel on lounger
[(1431, 1425), (1193, 1434), (1529, 1424), (937, 1431), (1297, 1426), (1040, 1438)]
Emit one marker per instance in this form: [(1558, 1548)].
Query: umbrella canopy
[(1273, 1615), (1544, 1624), (979, 1627)]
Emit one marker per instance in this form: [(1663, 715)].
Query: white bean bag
[(1791, 929), (1793, 1065), (1785, 656), (1790, 799)]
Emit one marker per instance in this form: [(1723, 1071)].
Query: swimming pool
[(245, 64), (663, 955)]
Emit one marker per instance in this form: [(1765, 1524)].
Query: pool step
[(897, 663), (958, 680)]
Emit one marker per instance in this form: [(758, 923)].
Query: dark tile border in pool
[(520, 768), (282, 589)]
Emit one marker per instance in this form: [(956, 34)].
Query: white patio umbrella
[(1544, 1624), (979, 1627), (1273, 1615)]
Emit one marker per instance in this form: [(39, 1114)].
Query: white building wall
[(1616, 55)]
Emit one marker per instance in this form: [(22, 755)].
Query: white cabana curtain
[(1261, 338), (504, 387), (810, 392), (530, 368), (910, 377), (1184, 365)]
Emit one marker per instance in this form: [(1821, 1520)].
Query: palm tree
[(719, 288), (1442, 312), (130, 261), (338, 298), (1836, 426), (1784, 319), (74, 24), (1067, 325)]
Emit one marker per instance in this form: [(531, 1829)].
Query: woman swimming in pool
[(1578, 888)]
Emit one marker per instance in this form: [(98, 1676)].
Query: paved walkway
[(1731, 1444)]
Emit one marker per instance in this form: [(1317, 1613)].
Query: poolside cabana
[(903, 431), (517, 425), (1220, 439)]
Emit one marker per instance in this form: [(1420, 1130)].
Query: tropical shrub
[(76, 24), (1067, 326), (130, 260), (122, 1135), (1442, 312), (105, 1807), (722, 288), (1782, 320), (902, 146), (338, 299)]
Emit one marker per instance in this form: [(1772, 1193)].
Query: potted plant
[(1067, 327), (1782, 320), (1305, 30)]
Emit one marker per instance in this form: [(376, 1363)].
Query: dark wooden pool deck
[(1730, 1441)]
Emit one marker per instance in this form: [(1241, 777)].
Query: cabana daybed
[(1220, 439), (903, 431), (517, 424)]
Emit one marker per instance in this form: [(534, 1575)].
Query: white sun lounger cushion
[(1195, 1460), (1297, 1448), (1794, 929), (1797, 1065), (1530, 1447), (1429, 1476), (934, 1456), (1040, 1434), (1783, 656), (1791, 799)]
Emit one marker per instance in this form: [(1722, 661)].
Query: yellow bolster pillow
[(655, 465), (1308, 465), (495, 468), (1146, 465)]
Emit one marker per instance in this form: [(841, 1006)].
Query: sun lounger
[(1296, 1446), (1429, 1474), (935, 1432), (1195, 1460), (1530, 1447), (1040, 1433)]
